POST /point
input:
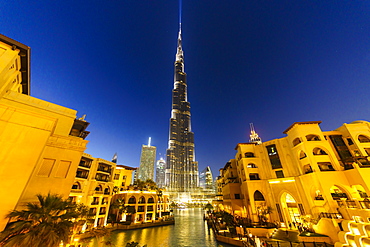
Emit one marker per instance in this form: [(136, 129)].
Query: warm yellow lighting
[(288, 181), (274, 182)]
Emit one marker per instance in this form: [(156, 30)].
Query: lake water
[(190, 230)]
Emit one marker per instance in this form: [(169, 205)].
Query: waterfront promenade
[(188, 230), (260, 236)]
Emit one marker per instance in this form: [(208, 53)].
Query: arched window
[(258, 196), (107, 191), (337, 193), (296, 141), (76, 186), (363, 139), (318, 195), (307, 169), (325, 166), (142, 200), (99, 188), (251, 165), (313, 138), (132, 200), (302, 155), (151, 200), (249, 155), (318, 151)]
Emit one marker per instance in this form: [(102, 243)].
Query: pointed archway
[(291, 210)]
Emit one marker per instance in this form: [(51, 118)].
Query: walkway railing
[(248, 241)]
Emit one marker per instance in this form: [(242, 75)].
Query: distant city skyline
[(268, 63)]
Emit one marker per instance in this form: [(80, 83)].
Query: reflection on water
[(190, 230)]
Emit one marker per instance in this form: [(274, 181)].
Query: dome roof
[(360, 122)]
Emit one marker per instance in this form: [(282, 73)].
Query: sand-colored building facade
[(308, 175), (41, 142)]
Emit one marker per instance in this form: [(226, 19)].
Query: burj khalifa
[(182, 170)]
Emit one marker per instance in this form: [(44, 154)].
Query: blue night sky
[(267, 62)]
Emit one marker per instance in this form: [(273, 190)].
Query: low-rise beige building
[(123, 177), (148, 205), (94, 187), (309, 177)]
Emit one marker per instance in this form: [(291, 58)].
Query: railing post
[(303, 244)]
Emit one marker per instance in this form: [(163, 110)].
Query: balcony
[(79, 128), (363, 162), (330, 215), (338, 196), (365, 204), (348, 166), (354, 204), (325, 166), (347, 204), (104, 169), (102, 178), (85, 164), (76, 190), (82, 174), (363, 194)]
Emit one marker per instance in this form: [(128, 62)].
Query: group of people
[(299, 226)]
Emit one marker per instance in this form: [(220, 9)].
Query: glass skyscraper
[(182, 169), (160, 173), (147, 160)]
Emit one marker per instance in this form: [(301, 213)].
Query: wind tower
[(253, 137), (182, 175)]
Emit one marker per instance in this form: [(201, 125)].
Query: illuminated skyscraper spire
[(254, 136), (180, 53), (182, 169)]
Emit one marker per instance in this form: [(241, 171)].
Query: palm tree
[(208, 207), (140, 184), (147, 184), (150, 184), (263, 213), (83, 218), (119, 204), (43, 223), (130, 211)]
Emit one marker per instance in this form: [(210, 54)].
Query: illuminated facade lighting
[(182, 169), (147, 160)]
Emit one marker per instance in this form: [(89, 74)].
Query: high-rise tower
[(182, 169), (147, 160), (254, 136), (160, 173)]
